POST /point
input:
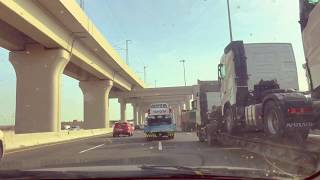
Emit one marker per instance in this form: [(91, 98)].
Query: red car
[(122, 128)]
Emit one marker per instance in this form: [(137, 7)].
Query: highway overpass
[(47, 38), (179, 98)]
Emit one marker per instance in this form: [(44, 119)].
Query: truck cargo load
[(188, 120)]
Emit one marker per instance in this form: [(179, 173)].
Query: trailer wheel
[(273, 120), (229, 122)]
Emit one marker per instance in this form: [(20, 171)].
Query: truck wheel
[(273, 120), (201, 139), (230, 123)]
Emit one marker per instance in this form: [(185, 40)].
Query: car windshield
[(158, 88)]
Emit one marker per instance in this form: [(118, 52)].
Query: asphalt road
[(106, 150), (184, 150)]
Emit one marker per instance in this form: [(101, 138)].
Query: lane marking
[(160, 146), (94, 147), (231, 148), (52, 144)]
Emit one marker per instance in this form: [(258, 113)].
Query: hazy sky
[(165, 31)]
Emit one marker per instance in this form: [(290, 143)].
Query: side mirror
[(219, 72), (194, 104)]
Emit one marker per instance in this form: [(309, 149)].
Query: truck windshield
[(159, 120)]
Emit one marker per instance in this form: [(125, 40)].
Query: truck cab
[(258, 90), (244, 65)]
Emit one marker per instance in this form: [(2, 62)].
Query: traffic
[(249, 107)]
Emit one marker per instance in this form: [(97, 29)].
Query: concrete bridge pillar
[(38, 72), (135, 118), (142, 114), (177, 111), (182, 106), (188, 107), (96, 103), (123, 106), (139, 115)]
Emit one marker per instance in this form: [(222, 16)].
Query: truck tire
[(273, 120), (200, 134), (229, 122), (201, 137)]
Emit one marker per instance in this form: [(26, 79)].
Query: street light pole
[(144, 73), (229, 20), (127, 51), (184, 72), (82, 4)]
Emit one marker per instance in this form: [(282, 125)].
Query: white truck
[(256, 115), (258, 95)]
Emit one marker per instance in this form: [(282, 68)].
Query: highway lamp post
[(127, 51), (184, 71), (82, 4), (229, 21), (145, 73)]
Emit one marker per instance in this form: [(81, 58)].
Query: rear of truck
[(207, 97), (188, 120), (159, 126), (159, 122)]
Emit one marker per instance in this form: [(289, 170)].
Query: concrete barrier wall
[(17, 141)]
